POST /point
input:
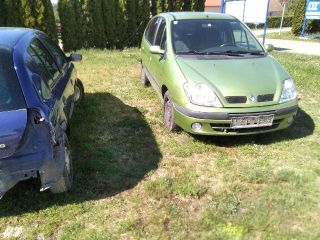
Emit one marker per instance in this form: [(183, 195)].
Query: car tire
[(143, 77), (66, 179), (78, 91), (168, 113)]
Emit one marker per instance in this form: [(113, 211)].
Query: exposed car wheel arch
[(163, 90)]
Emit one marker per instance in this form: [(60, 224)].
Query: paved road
[(258, 32), (300, 47)]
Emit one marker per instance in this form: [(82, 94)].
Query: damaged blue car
[(38, 90)]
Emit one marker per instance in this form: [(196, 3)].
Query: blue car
[(38, 90)]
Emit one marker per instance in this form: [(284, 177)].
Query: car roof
[(197, 15), (9, 36)]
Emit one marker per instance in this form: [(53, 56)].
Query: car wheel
[(78, 91), (66, 179), (143, 77), (168, 113)]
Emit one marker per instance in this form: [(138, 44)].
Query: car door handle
[(38, 120)]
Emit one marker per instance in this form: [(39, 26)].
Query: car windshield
[(213, 37), (11, 97)]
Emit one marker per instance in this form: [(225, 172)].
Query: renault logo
[(253, 98), (2, 146)]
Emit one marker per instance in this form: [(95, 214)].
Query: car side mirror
[(75, 57), (269, 47), (156, 50)]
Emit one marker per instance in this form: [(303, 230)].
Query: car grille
[(243, 99), (265, 98), (236, 99)]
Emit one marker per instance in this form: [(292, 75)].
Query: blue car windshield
[(213, 37), (11, 97)]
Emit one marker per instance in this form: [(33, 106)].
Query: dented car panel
[(32, 132)]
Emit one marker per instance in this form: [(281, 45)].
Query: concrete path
[(300, 47), (291, 46)]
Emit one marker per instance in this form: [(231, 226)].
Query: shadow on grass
[(303, 126), (113, 149)]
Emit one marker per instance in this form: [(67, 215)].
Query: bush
[(274, 22), (312, 26)]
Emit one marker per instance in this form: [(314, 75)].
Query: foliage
[(36, 14), (312, 26), (68, 25)]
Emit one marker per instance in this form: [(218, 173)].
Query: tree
[(49, 24), (96, 36), (14, 13), (121, 23), (109, 20), (68, 25), (298, 18), (154, 7), (2, 13), (143, 17), (197, 5)]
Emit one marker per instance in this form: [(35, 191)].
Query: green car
[(214, 77)]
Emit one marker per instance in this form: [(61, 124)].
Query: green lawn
[(135, 180)]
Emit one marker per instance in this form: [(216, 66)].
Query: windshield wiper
[(246, 52), (190, 52)]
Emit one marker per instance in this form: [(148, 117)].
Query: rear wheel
[(66, 179), (168, 113), (143, 77)]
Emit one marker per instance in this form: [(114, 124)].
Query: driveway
[(300, 47), (291, 46)]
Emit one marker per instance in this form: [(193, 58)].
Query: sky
[(54, 1)]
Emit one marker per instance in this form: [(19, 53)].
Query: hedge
[(274, 22)]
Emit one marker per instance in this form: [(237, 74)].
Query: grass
[(290, 36), (135, 180)]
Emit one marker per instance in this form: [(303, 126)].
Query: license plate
[(252, 121)]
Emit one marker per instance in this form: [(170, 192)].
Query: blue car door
[(47, 80)]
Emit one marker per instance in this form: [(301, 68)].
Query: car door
[(158, 60), (147, 57), (46, 75), (64, 88)]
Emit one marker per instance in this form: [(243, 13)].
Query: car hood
[(238, 76), (12, 127)]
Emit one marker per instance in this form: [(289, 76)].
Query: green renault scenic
[(214, 77)]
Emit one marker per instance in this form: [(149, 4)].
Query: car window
[(57, 53), (39, 74), (212, 36), (45, 61), (11, 96), (163, 43), (160, 32), (151, 29)]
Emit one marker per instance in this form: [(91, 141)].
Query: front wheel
[(168, 113), (78, 91), (66, 179)]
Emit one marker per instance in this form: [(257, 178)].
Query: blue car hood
[(12, 128)]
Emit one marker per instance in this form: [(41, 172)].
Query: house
[(275, 7)]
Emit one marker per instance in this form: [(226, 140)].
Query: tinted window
[(160, 33), (11, 97), (212, 35), (58, 55), (151, 29), (49, 69)]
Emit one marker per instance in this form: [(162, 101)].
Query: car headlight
[(288, 91), (201, 94)]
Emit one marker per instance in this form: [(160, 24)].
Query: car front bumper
[(219, 123)]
